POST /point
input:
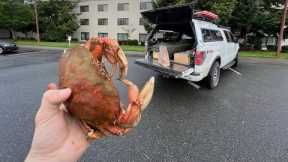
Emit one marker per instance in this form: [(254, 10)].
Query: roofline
[(191, 5)]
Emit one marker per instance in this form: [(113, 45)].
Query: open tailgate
[(169, 15), (177, 70)]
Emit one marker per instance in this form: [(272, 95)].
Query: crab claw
[(137, 103), (116, 56), (94, 45), (123, 64), (147, 93), (101, 46)]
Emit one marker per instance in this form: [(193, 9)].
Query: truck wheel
[(213, 77), (1, 50), (236, 61)]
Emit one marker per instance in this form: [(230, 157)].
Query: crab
[(95, 100)]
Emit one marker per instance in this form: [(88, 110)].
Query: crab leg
[(91, 133), (137, 103)]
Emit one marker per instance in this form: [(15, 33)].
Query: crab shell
[(95, 100)]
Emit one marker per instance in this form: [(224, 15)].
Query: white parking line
[(235, 71)]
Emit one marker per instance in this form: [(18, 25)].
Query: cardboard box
[(164, 56), (182, 58), (156, 55)]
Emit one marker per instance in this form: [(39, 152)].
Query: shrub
[(285, 49), (129, 42), (271, 47)]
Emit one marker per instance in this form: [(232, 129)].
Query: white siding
[(134, 28)]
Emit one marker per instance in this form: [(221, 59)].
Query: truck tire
[(213, 77), (236, 61)]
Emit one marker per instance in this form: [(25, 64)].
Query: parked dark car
[(6, 46)]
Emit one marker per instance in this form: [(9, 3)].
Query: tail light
[(199, 57)]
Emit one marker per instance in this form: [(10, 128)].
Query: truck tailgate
[(175, 69)]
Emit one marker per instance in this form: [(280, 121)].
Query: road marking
[(235, 71), (194, 85), (25, 53)]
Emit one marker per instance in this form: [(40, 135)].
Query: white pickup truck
[(209, 46)]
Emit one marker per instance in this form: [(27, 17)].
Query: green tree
[(57, 19), (245, 16), (269, 3), (15, 16), (255, 20), (223, 8), (163, 3)]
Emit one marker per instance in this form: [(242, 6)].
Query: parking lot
[(244, 119)]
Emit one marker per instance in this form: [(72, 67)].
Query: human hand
[(57, 136)]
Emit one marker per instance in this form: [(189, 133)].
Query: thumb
[(51, 102), (52, 99)]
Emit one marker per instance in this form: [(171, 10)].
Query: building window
[(141, 21), (102, 7), (122, 36), (123, 6), (123, 21), (84, 8), (84, 21), (85, 35), (146, 6), (142, 37), (103, 21), (102, 34)]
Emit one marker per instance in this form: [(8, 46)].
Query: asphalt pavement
[(244, 120)]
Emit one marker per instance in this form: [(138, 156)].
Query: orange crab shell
[(95, 99)]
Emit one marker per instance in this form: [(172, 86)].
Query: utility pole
[(36, 22), (283, 21)]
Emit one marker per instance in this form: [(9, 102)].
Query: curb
[(128, 53), (134, 54), (41, 47), (264, 60)]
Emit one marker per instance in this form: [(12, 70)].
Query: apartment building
[(117, 19)]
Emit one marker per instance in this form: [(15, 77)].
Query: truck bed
[(174, 47)]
